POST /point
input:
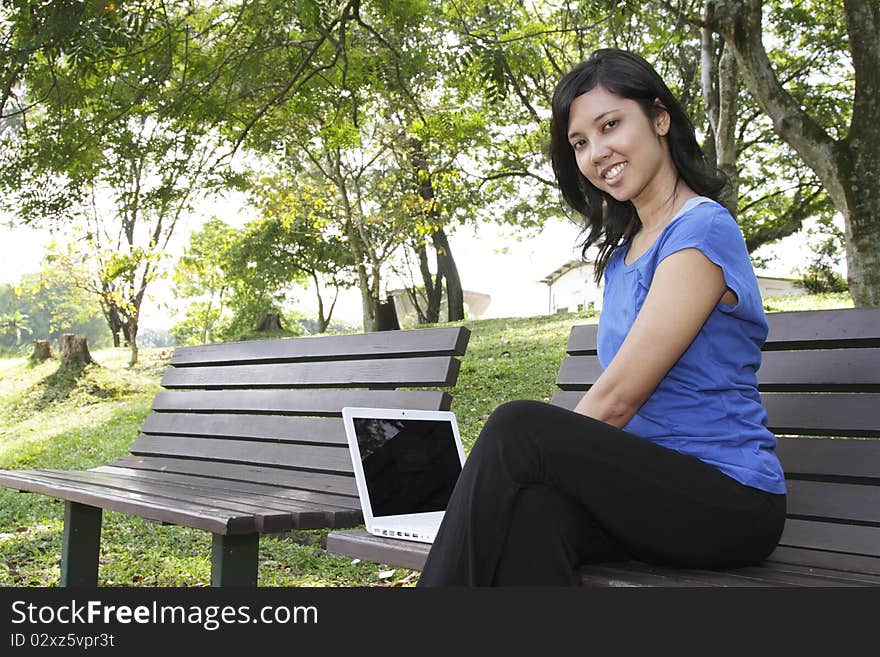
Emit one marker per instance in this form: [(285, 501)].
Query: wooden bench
[(246, 439), (819, 381)]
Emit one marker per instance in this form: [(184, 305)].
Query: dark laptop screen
[(410, 466)]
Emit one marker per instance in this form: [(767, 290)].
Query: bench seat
[(358, 543)]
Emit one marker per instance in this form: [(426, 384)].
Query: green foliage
[(143, 100), (52, 304), (823, 301), (200, 324), (820, 275), (13, 325), (201, 274)]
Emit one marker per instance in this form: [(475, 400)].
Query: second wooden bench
[(246, 439)]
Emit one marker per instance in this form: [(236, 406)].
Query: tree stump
[(42, 351), (75, 351), (269, 322)]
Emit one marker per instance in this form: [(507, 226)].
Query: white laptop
[(406, 463)]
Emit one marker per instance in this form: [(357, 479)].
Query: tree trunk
[(848, 168), (368, 305), (269, 322), (323, 319), (446, 267), (115, 324), (74, 351), (131, 331), (720, 82), (42, 351), (433, 290), (446, 264)]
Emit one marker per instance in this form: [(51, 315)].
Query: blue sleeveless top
[(708, 404)]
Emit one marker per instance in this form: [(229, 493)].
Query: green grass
[(54, 421)]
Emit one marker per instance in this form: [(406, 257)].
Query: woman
[(667, 458)]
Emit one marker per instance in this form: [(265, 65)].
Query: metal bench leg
[(234, 559), (81, 545)]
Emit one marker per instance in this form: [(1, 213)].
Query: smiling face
[(619, 149)]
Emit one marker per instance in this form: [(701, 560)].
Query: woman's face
[(618, 148)]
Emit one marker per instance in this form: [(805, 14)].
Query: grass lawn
[(51, 421)]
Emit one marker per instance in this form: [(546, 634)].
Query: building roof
[(558, 273)]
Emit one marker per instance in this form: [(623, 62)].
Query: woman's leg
[(550, 534), (657, 504)]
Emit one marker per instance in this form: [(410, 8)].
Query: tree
[(300, 236), (199, 274), (54, 304), (97, 124), (843, 156), (14, 324), (152, 174), (516, 57), (819, 275)]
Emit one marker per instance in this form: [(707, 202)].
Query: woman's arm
[(685, 289)]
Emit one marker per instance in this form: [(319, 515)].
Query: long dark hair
[(609, 221)]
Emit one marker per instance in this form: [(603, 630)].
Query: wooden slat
[(801, 457), (582, 339), (315, 402), (837, 414), (296, 514), (802, 329), (567, 398), (212, 520), (634, 573), (829, 457), (840, 370), (308, 482), (359, 543), (832, 537), (269, 518), (578, 372), (824, 329), (444, 341), (822, 499), (851, 565), (800, 414), (339, 511), (855, 578), (630, 573), (284, 428), (396, 373), (311, 458), (608, 576)]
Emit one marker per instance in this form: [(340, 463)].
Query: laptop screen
[(410, 466)]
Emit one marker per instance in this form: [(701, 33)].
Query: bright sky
[(489, 259), (511, 277)]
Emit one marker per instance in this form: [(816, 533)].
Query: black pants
[(545, 489)]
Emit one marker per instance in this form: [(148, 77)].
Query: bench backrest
[(269, 411), (820, 383)]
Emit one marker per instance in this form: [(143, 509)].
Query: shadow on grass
[(61, 383), (89, 439)]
